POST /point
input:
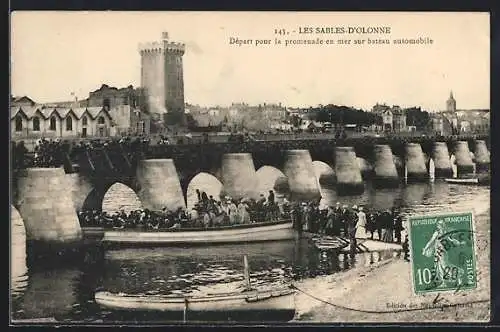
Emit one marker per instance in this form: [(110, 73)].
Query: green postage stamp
[(443, 252)]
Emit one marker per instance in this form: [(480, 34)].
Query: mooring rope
[(429, 307)]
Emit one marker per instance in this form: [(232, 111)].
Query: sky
[(56, 53)]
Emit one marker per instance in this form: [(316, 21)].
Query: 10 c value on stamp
[(443, 252)]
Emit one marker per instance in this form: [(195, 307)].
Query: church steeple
[(451, 104)]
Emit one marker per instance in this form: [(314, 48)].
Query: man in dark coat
[(398, 225)]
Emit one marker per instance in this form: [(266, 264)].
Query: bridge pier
[(46, 207), (349, 180), (385, 172), (158, 185), (80, 189), (463, 158), (415, 163), (18, 265), (482, 157), (299, 170), (441, 158), (239, 178)]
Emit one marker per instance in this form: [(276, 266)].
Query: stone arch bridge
[(160, 175)]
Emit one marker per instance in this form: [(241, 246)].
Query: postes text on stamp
[(443, 252)]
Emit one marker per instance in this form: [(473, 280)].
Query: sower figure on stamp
[(444, 270)]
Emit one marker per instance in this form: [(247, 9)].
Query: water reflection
[(50, 293), (68, 293), (415, 193)]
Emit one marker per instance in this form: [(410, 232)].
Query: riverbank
[(383, 292)]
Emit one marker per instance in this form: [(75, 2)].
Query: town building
[(398, 119), (37, 122), (77, 122), (110, 96), (393, 117), (387, 120), (21, 101), (240, 116), (462, 121), (162, 78)]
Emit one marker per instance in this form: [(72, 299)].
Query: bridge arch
[(120, 196), (204, 182), (325, 174), (92, 199), (271, 178)]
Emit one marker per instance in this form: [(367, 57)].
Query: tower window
[(36, 123), (106, 102), (84, 121), (101, 120)]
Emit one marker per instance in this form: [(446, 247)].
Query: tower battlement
[(157, 47)]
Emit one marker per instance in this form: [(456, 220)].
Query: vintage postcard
[(249, 167)]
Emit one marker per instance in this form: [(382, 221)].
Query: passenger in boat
[(206, 220), (260, 208), (305, 217), (285, 208), (361, 226), (233, 213), (243, 213), (204, 199)]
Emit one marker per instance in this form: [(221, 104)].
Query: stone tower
[(162, 78), (451, 104)]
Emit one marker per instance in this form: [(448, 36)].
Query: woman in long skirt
[(361, 226)]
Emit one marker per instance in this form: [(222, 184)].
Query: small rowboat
[(462, 180), (274, 299), (279, 300)]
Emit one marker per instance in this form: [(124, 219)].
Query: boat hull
[(276, 304), (223, 235)]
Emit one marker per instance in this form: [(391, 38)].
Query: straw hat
[(354, 207)]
